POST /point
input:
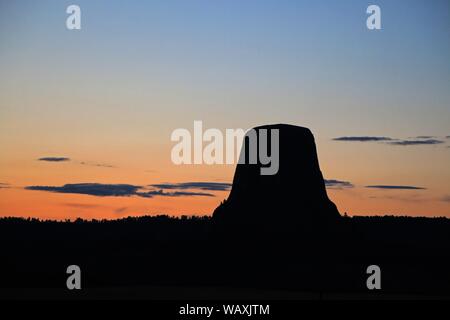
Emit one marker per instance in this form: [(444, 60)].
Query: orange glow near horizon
[(18, 202), (20, 168)]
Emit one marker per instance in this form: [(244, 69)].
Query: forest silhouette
[(413, 254)]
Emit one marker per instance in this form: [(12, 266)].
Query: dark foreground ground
[(191, 258)]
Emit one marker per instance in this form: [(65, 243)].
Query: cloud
[(162, 193), (113, 190), (94, 164), (211, 186), (121, 210), (4, 185), (337, 184), (94, 189), (416, 142), (445, 198), (362, 139), (424, 137), (419, 140), (394, 187), (54, 159), (84, 163), (220, 186)]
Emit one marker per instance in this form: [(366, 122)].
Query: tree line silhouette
[(187, 251)]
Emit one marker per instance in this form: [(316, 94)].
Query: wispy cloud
[(4, 185), (211, 186), (83, 163), (395, 187), (121, 210), (114, 190), (424, 137), (95, 164), (445, 198), (362, 139), (162, 193), (54, 159), (337, 184), (416, 142)]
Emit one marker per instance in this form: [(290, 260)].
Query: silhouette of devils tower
[(296, 193)]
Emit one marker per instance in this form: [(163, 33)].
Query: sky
[(86, 115)]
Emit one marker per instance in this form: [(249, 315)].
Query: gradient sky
[(109, 96)]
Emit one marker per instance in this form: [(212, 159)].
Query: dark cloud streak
[(54, 159), (363, 139), (394, 187), (93, 189), (337, 184), (113, 190), (210, 186), (416, 142), (419, 140)]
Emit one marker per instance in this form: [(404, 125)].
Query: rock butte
[(296, 193)]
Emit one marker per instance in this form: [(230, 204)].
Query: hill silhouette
[(279, 233)]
